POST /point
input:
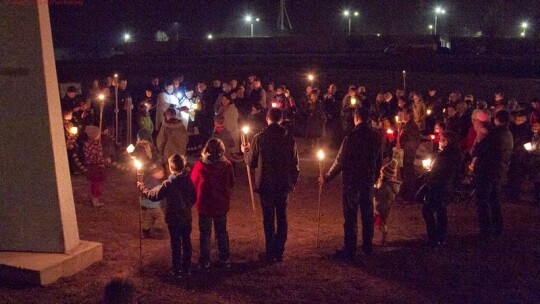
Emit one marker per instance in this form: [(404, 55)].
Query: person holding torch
[(359, 160), (274, 155)]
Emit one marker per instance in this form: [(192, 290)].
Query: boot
[(96, 202)]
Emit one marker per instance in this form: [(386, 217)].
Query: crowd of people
[(382, 139)]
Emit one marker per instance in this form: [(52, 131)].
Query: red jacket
[(213, 183)]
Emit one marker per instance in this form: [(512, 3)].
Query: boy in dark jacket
[(180, 194)]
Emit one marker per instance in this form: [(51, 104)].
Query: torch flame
[(130, 148), (528, 146), (310, 77), (274, 104), (101, 97), (428, 112), (137, 164), (115, 75), (353, 101), (74, 130), (245, 129), (320, 155), (390, 132), (432, 136), (397, 118)]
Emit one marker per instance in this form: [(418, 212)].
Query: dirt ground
[(404, 271)]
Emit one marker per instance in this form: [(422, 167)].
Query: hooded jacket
[(213, 181), (172, 138)]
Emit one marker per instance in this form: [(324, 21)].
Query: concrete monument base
[(34, 269)]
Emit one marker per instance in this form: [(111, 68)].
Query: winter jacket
[(533, 163), (315, 120), (180, 194), (445, 168), (275, 157), (164, 102), (385, 196), (172, 138), (213, 181), (359, 157), (419, 114), (493, 154), (409, 141)]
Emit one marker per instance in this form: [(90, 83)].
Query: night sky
[(98, 24)]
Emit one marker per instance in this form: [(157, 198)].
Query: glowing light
[(346, 13), (179, 95), (257, 19), (432, 136), (320, 155), (138, 164), (74, 130), (274, 104), (528, 146), (430, 26), (524, 25), (101, 97), (249, 18), (390, 132), (397, 118), (353, 101), (245, 130), (310, 77), (404, 72), (127, 37), (440, 10), (426, 163), (210, 36), (378, 34), (356, 13), (115, 75), (130, 148), (428, 112)]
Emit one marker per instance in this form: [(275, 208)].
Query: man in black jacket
[(274, 155), (359, 159), (492, 156)]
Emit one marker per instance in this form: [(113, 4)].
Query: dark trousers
[(220, 229), (354, 197), (274, 208), (489, 207), (180, 246), (436, 219), (516, 176)]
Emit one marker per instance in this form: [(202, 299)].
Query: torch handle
[(252, 201), (321, 168)]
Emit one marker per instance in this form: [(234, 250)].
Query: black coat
[(359, 157), (493, 154), (441, 179), (180, 194), (275, 156)]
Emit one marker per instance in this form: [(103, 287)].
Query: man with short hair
[(491, 165), (359, 160), (274, 155)]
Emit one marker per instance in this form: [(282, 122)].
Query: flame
[(74, 130), (138, 164), (130, 148), (320, 155), (245, 129)]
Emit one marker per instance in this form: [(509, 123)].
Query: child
[(93, 154), (385, 194), (173, 137), (223, 134), (213, 178), (144, 121), (180, 194)]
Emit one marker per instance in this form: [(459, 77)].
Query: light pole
[(524, 26), (250, 20), (438, 11), (349, 16)]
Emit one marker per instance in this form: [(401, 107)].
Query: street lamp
[(210, 36), (349, 16), (438, 11), (524, 26), (249, 19), (430, 27), (127, 37)]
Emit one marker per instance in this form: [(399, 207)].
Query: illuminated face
[(332, 89), (416, 98), (309, 89), (279, 91), (401, 103), (122, 85), (443, 142), (189, 94), (148, 93), (535, 127), (432, 93), (225, 101), (169, 89), (155, 81)]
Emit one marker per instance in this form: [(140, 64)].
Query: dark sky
[(98, 23)]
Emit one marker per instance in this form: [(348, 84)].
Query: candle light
[(274, 104), (353, 101), (74, 130), (101, 97), (130, 148), (311, 77), (397, 118), (528, 146), (245, 131), (432, 136), (320, 155), (138, 164), (428, 112), (426, 163)]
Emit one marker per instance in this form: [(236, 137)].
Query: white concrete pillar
[(37, 212)]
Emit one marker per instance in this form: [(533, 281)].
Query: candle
[(245, 131), (397, 118), (353, 101), (138, 164), (274, 104), (432, 136), (426, 163), (428, 112), (74, 130)]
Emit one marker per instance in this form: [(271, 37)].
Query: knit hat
[(389, 170), (92, 132)]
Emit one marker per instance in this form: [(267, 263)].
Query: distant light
[(439, 10), (127, 37), (257, 19), (248, 18), (210, 36), (378, 34), (522, 34), (524, 25), (528, 146), (346, 13), (245, 129), (356, 13), (138, 164), (74, 130), (430, 26), (101, 97)]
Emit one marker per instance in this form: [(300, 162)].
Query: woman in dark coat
[(439, 186)]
